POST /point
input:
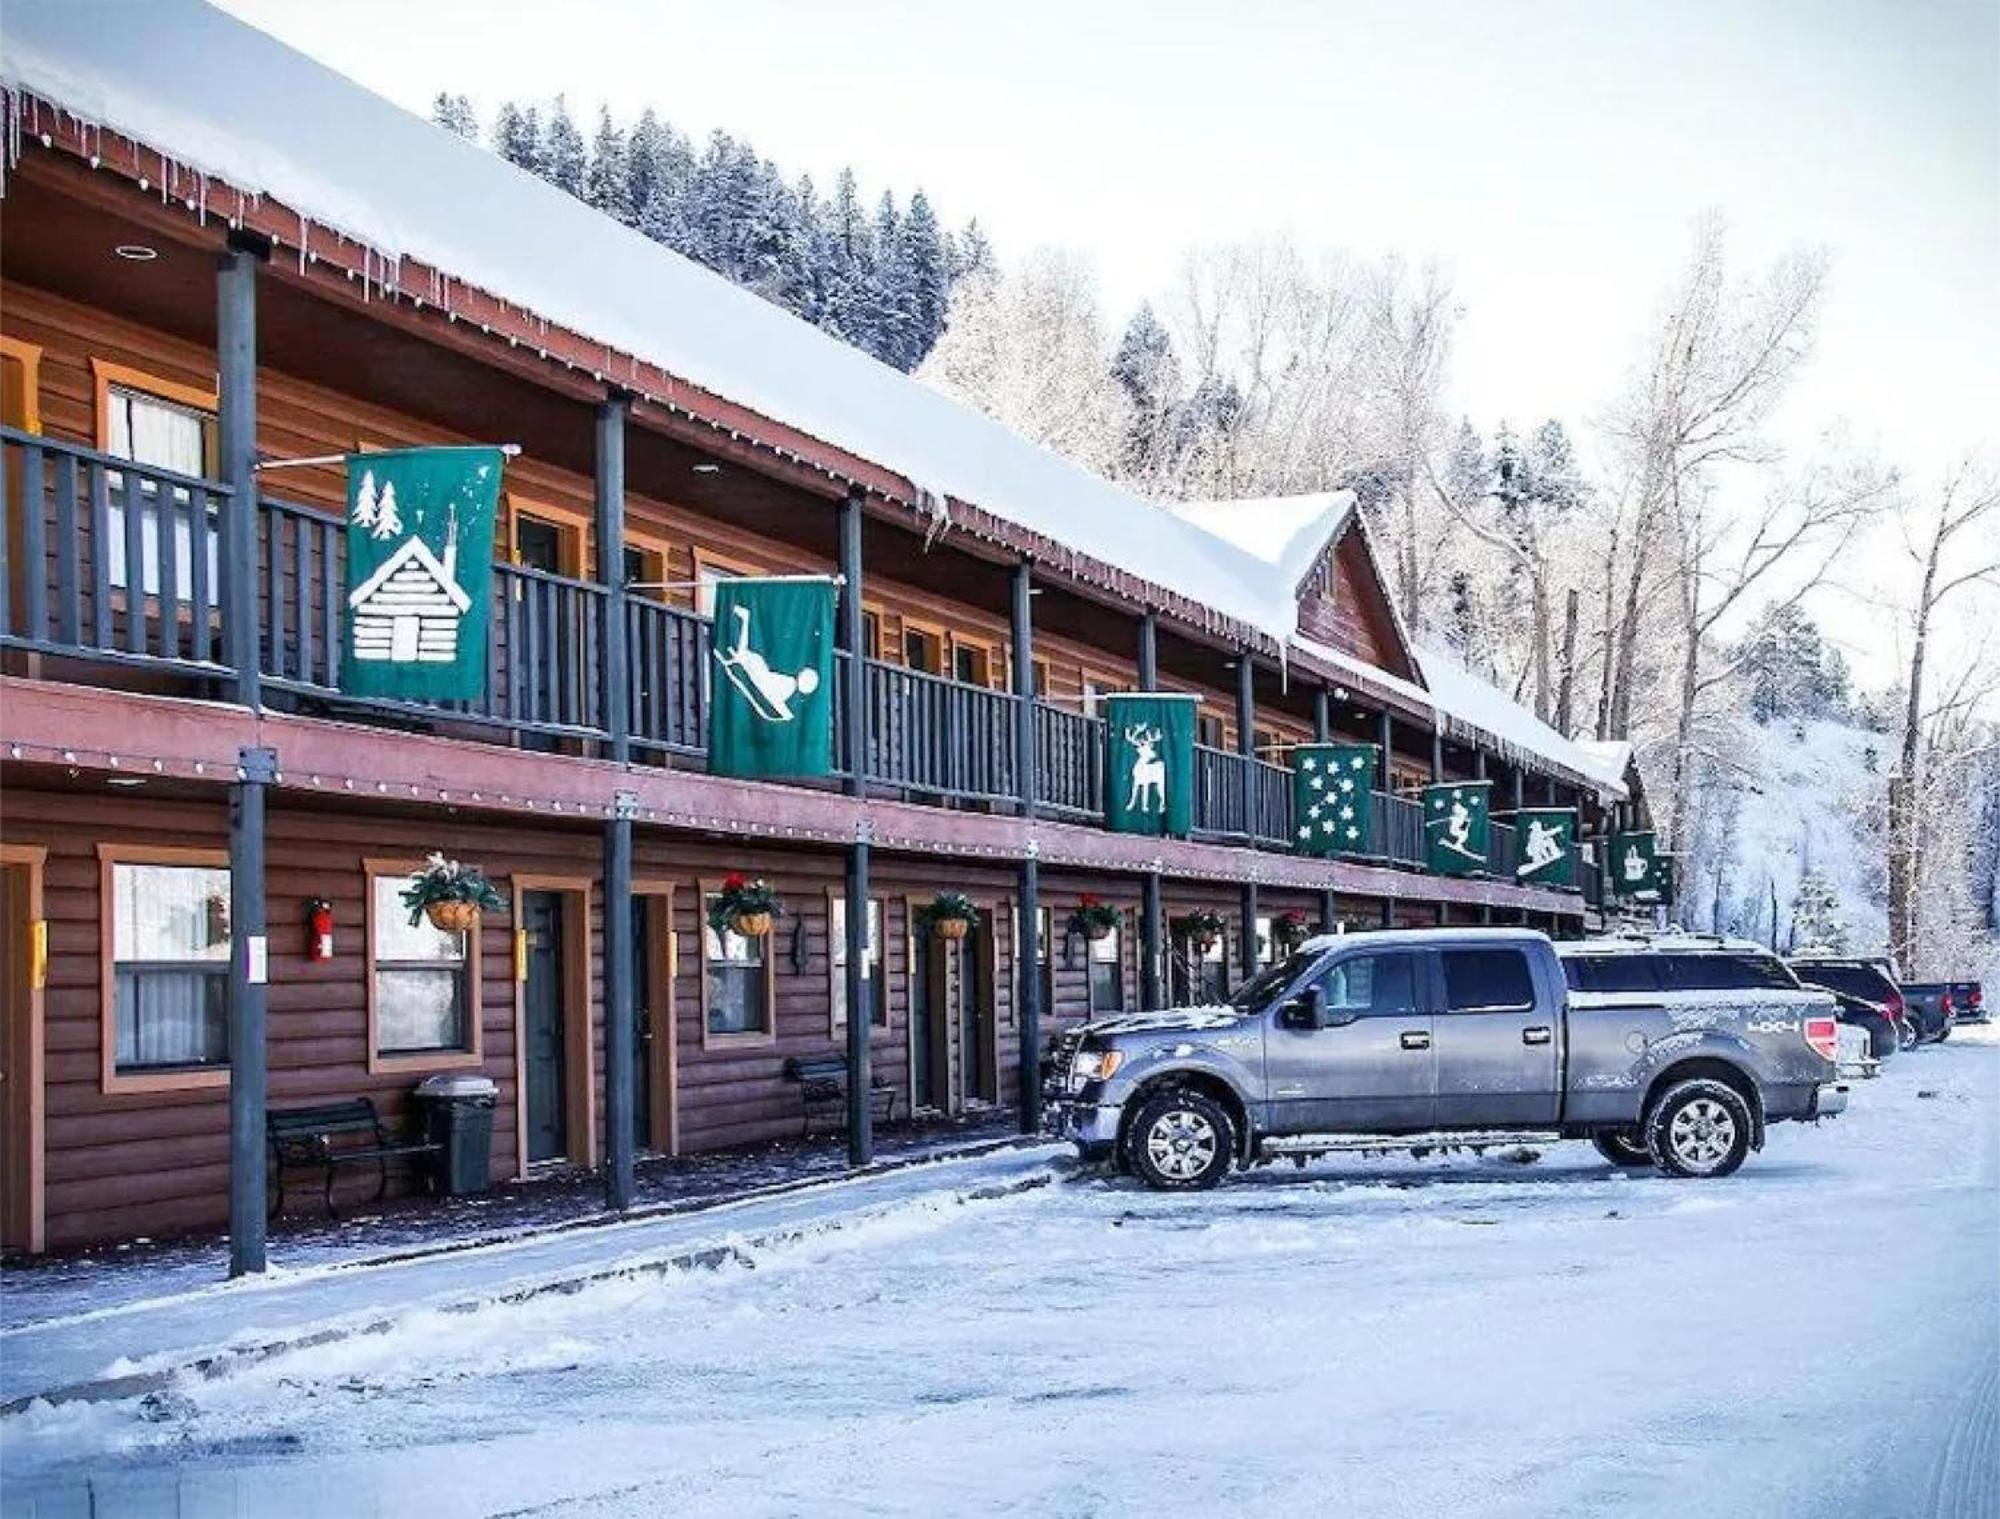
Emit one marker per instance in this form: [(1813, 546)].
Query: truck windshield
[(1272, 979)]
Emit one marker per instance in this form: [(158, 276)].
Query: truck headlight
[(1096, 1065)]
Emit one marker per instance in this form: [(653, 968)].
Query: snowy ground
[(1819, 1335)]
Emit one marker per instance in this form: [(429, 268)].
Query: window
[(170, 963), (736, 982), (836, 921), (923, 650), (1208, 731), (1041, 670), (707, 578), (538, 545), (1487, 981), (1265, 946), (1203, 974), (1732, 972), (1092, 694), (20, 385), (1106, 967), (1372, 985), (1612, 973), (871, 635), (418, 981), (167, 435)]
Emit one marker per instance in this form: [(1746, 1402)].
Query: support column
[(1151, 996), (1329, 909), (1149, 652), (249, 958), (621, 1033), (1520, 788), (1388, 912), (861, 993), (1247, 930), (1024, 688), (1028, 961), (1246, 738), (236, 418), (1437, 753), (861, 990)]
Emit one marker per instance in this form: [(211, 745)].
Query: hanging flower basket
[(745, 907), (1202, 929), (1288, 931), (451, 895), (951, 915), (1094, 917)]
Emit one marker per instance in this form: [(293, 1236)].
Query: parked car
[(1439, 1031), (1867, 980), (1968, 1002), (1936, 1005)]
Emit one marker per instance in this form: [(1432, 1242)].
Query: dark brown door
[(976, 1032), (542, 1026), (930, 1029), (16, 1057), (642, 1017)]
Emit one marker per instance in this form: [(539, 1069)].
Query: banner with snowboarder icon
[(1149, 763), (1546, 844), (419, 572), (1333, 798), (770, 711), (1639, 871), (1456, 826)]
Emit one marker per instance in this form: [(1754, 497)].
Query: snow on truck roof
[(217, 97)]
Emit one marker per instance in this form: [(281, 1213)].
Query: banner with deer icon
[(1149, 763)]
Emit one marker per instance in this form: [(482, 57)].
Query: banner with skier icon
[(1546, 840), (1456, 831), (419, 572), (770, 711), (1149, 763), (1639, 872), (1333, 798)]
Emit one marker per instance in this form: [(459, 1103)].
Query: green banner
[(771, 707), (1149, 763), (419, 572), (1639, 872), (1333, 798), (1546, 840), (1455, 826)]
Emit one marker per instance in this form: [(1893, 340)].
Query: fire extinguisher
[(319, 929)]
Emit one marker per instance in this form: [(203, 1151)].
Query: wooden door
[(930, 1027), (21, 969), (542, 1072), (977, 1023), (642, 1020)]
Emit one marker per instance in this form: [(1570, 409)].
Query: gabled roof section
[(214, 96)]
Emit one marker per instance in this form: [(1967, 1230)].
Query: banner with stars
[(1455, 826), (1333, 798)]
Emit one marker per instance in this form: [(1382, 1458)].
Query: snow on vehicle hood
[(1172, 1020)]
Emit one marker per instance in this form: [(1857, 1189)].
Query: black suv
[(1878, 1004)]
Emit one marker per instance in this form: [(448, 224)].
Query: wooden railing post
[(621, 1034)]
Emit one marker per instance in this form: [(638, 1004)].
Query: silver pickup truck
[(1445, 1031)]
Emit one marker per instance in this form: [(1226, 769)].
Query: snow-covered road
[(1819, 1335)]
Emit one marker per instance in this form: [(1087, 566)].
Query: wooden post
[(1246, 738), (1247, 930), (1437, 752), (1149, 652), (249, 958), (1520, 787), (1150, 995), (1024, 689), (1028, 966)]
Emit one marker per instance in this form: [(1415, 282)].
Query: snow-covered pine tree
[(1146, 370), (971, 251), (925, 280), (517, 136), (563, 160), (642, 148), (887, 285), (607, 183), (455, 114), (1817, 919), (847, 252)]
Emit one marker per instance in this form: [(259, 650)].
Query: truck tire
[(1908, 1036), (1180, 1141), (1623, 1147), (1699, 1128)]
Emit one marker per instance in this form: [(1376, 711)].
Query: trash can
[(458, 1118)]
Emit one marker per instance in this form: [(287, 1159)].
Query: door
[(643, 987), (976, 1014), (1496, 1041), (20, 1063), (1373, 1071), (930, 1063), (542, 1026)]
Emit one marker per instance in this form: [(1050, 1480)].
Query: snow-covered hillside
[(1802, 796)]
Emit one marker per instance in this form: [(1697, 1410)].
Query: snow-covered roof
[(1467, 701), (221, 98), (1285, 532)]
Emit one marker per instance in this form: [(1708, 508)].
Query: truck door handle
[(1539, 1034), (1416, 1039)]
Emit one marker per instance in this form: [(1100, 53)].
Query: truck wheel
[(1181, 1141), (1907, 1036), (1623, 1147), (1699, 1128)]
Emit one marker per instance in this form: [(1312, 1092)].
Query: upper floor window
[(707, 578), (1208, 731), (151, 430)]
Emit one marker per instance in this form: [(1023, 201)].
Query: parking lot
[(1515, 1334)]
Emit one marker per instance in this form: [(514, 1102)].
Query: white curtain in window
[(149, 431), (169, 1018)]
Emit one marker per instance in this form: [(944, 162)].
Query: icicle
[(304, 230)]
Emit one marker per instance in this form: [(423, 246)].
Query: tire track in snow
[(1965, 1482)]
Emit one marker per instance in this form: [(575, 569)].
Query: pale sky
[(1550, 153)]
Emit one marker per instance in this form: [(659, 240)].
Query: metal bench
[(330, 1136), (822, 1083)]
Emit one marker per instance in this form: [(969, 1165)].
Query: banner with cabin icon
[(419, 572), (1545, 840), (1639, 872), (1149, 763), (1333, 798), (1457, 827), (770, 710)]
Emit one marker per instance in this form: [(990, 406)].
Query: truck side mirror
[(1305, 1011)]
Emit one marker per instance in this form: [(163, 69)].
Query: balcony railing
[(126, 564)]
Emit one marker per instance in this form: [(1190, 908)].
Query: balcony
[(66, 595)]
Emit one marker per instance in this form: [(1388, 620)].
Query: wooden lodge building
[(217, 254)]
